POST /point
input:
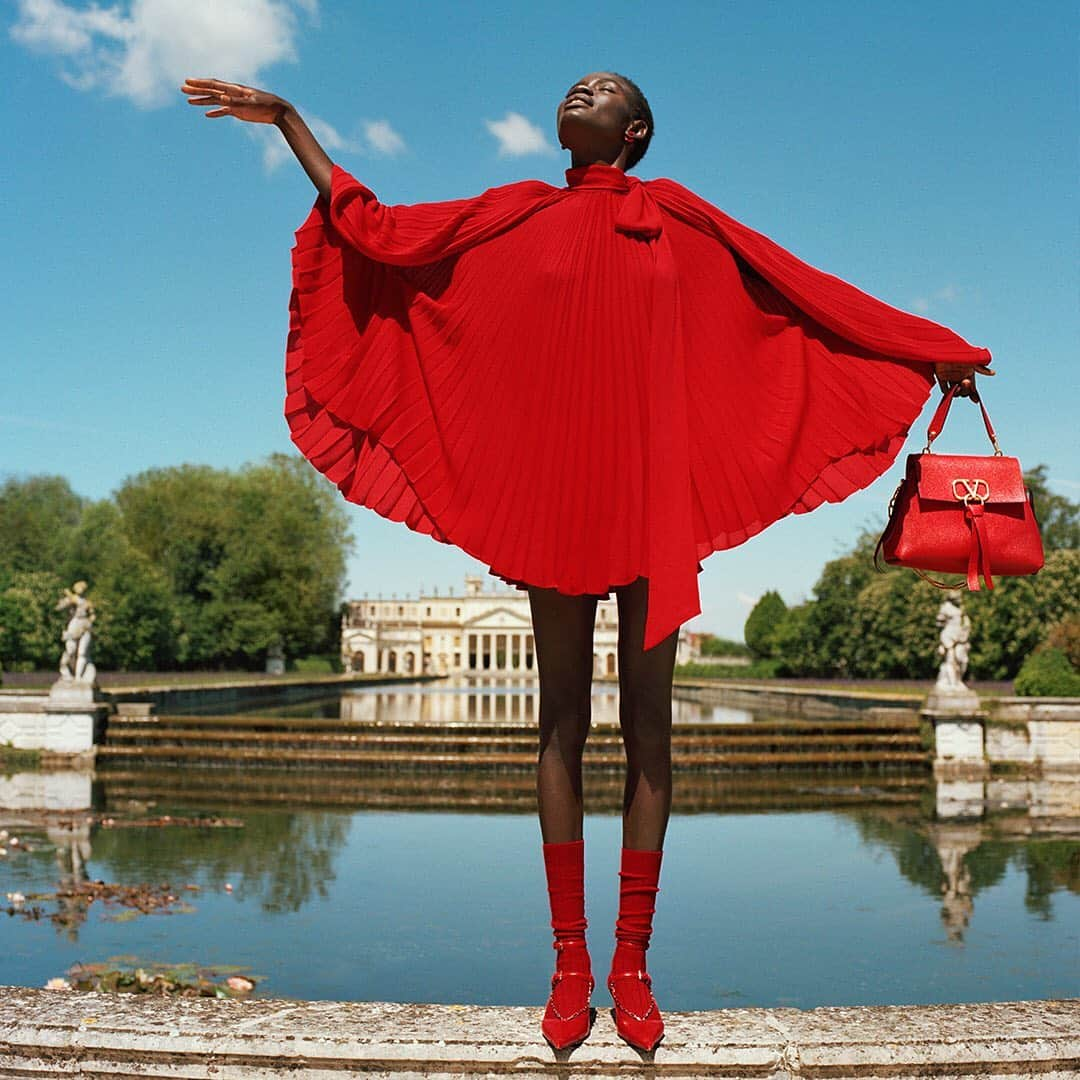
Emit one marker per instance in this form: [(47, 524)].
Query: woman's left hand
[(964, 374)]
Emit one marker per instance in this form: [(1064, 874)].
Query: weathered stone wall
[(48, 1033)]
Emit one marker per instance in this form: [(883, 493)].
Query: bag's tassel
[(979, 555)]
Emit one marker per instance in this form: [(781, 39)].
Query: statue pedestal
[(73, 692), (963, 702), (959, 736), (74, 717)]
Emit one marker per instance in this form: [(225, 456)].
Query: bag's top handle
[(938, 421)]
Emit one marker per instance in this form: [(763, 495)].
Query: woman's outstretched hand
[(964, 374), (232, 99), (259, 107)]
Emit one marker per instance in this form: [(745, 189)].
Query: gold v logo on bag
[(971, 490)]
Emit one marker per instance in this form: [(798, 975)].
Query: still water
[(875, 902), (465, 700)]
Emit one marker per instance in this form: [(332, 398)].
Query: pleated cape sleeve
[(474, 369), (828, 300)]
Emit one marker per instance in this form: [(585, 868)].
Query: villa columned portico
[(481, 633)]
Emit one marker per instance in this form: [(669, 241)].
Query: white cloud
[(948, 294), (746, 600), (518, 136), (143, 49), (383, 139), (378, 138)]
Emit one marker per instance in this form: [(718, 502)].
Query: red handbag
[(962, 514)]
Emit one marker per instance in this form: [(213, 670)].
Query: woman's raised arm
[(260, 107)]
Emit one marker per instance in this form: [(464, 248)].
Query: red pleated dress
[(581, 386)]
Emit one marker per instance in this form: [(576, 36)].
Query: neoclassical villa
[(477, 633)]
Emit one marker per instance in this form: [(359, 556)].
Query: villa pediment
[(499, 618)]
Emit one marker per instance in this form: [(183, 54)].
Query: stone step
[(389, 741), (419, 760), (337, 725), (700, 792)]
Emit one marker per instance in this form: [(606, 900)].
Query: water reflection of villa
[(488, 632)]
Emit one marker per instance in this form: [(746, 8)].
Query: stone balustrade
[(1030, 736)]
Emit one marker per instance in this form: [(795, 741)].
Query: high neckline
[(610, 177)]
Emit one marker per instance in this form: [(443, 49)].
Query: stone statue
[(75, 663), (954, 648)]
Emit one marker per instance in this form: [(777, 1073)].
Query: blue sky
[(923, 151)]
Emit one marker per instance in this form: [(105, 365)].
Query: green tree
[(711, 645), (1048, 673), (188, 566), (1011, 621), (795, 646), (829, 644), (253, 558), (37, 516), (30, 625), (894, 633), (1065, 635), (761, 624), (283, 573)]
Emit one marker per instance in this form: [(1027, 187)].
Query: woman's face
[(595, 115)]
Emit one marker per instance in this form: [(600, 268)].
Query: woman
[(589, 388)]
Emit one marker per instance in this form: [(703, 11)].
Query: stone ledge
[(57, 1033)]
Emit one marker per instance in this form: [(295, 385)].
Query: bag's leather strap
[(942, 411), (881, 539), (979, 555)]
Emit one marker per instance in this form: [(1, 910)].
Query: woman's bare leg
[(645, 719), (563, 632)]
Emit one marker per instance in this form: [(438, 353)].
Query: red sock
[(637, 1017), (639, 877), (564, 864)]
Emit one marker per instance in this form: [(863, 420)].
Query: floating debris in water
[(179, 980), (74, 901), (166, 821)]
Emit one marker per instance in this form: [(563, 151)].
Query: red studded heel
[(643, 1029), (636, 1014), (568, 1017)]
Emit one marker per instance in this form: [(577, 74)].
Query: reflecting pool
[(777, 889), (461, 700)]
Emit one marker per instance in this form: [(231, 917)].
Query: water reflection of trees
[(280, 859), (956, 861), (1049, 865)]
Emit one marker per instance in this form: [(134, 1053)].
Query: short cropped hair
[(639, 110)]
